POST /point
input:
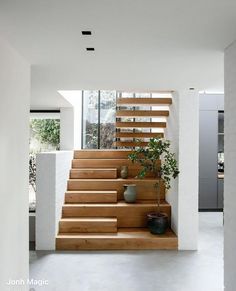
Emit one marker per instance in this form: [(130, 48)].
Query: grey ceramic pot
[(130, 194)]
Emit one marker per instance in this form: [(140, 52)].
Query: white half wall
[(230, 170), (189, 170), (14, 148), (51, 181)]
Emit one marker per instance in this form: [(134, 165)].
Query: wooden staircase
[(95, 215), (141, 118)]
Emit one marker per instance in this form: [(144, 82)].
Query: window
[(99, 108), (44, 136)]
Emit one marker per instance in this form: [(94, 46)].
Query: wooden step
[(133, 168), (140, 124), (139, 134), (101, 154), (124, 239), (144, 101), (130, 144), (127, 214), (91, 196), (86, 225), (85, 173), (145, 187), (142, 113)]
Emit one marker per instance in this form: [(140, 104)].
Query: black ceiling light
[(86, 32), (191, 88), (90, 48)]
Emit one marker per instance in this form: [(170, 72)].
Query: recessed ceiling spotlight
[(191, 88), (90, 48), (86, 32)]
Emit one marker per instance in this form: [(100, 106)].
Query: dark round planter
[(157, 222)]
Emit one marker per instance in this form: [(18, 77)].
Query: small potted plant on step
[(149, 158)]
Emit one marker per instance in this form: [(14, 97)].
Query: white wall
[(188, 166), (52, 175), (71, 121), (172, 133), (230, 170), (14, 147)]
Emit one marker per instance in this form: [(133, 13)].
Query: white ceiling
[(139, 44)]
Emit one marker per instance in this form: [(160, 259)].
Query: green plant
[(149, 158), (47, 131)]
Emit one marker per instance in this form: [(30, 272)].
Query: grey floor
[(200, 270)]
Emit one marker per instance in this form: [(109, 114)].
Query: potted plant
[(149, 158)]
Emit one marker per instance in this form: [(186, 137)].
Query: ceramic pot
[(157, 222), (130, 193), (124, 172)]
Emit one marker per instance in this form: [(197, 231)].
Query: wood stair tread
[(121, 203), (92, 191), (124, 233), (102, 219), (117, 179)]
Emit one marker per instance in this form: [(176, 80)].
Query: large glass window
[(99, 109), (44, 137)]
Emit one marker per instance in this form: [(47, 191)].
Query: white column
[(230, 170), (52, 175), (14, 165), (188, 166)]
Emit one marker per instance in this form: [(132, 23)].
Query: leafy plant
[(149, 158), (46, 131)]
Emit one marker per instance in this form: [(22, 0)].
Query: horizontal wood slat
[(142, 113), (92, 196), (129, 144), (144, 101), (140, 124), (85, 173), (101, 154), (139, 134)]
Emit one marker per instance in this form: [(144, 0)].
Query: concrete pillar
[(14, 165), (230, 170)]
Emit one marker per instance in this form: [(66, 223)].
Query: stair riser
[(91, 198), (104, 163), (87, 227), (93, 174), (101, 154), (145, 188), (116, 244), (132, 173)]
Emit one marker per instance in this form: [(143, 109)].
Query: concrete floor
[(200, 270)]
